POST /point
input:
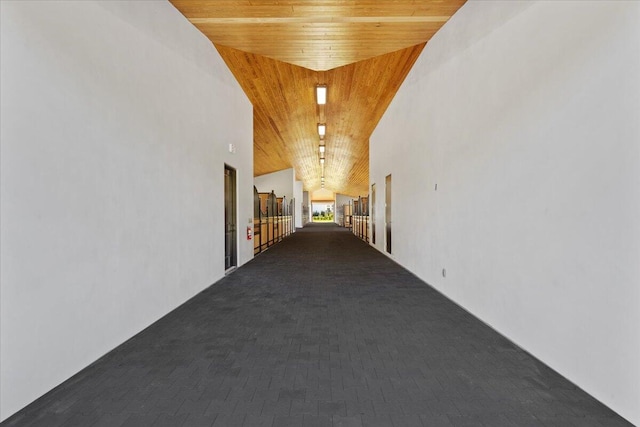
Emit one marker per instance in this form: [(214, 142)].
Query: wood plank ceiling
[(279, 50)]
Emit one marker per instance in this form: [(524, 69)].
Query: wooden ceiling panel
[(318, 34), (314, 9), (286, 114), (279, 50), (322, 46)]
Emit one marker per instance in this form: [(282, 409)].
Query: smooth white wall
[(115, 123), (527, 117), (306, 207), (298, 195), (282, 183)]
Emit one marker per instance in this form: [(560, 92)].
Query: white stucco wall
[(282, 183), (298, 195), (306, 206), (527, 117), (115, 123)]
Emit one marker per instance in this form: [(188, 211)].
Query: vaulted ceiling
[(279, 50)]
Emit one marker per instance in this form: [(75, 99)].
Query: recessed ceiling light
[(321, 94), (322, 129)]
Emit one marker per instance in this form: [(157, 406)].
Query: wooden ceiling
[(279, 50)]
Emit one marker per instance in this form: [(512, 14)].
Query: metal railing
[(360, 226), (273, 220), (356, 217)]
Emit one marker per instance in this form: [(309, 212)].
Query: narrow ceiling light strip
[(322, 129), (321, 99), (321, 94)]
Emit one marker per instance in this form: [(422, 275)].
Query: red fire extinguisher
[(249, 233)]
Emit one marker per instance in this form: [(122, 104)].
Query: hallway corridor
[(320, 330)]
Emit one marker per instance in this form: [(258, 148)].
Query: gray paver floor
[(320, 330)]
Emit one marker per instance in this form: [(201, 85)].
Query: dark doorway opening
[(387, 212), (230, 227)]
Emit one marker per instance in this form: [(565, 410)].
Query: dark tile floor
[(320, 330)]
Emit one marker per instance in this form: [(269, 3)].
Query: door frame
[(233, 263), (388, 217), (373, 214)]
